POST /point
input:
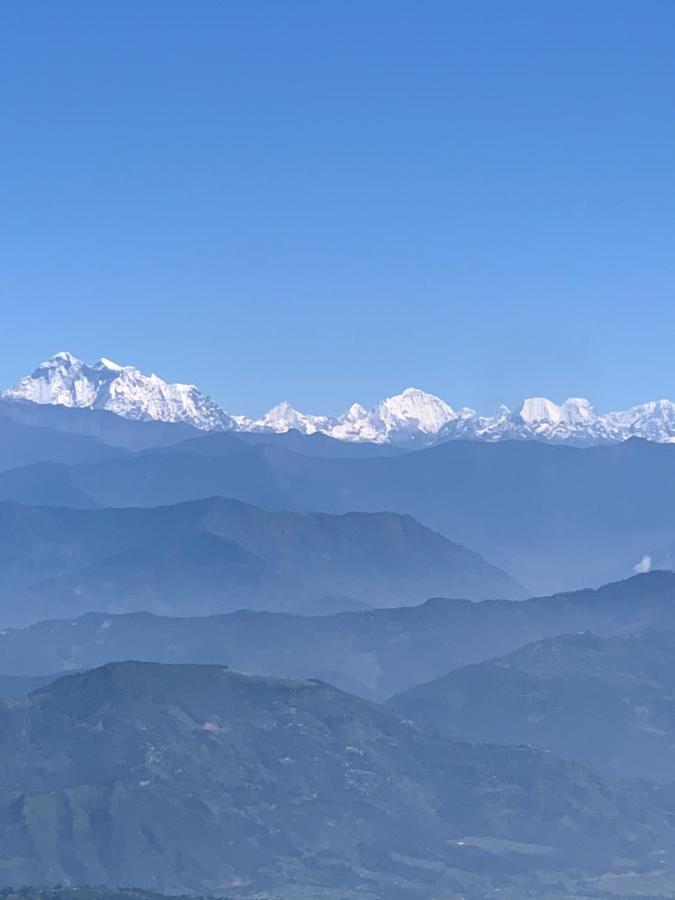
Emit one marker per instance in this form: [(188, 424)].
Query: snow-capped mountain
[(67, 381), (412, 417), (415, 416), (283, 417), (573, 422)]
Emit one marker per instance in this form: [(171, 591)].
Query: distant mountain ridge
[(218, 555), (24, 445), (413, 416), (554, 517), (374, 653), (106, 427)]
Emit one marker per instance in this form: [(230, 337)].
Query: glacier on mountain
[(414, 417)]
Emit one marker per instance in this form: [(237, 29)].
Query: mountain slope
[(22, 685), (606, 702), (217, 555), (556, 517), (194, 778), (375, 653)]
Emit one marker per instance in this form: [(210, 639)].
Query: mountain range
[(140, 522), (218, 555), (198, 779), (553, 517), (412, 417), (373, 653)]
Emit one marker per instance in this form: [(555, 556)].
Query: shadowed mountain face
[(196, 778), (218, 555), (22, 445), (375, 653), (607, 702), (104, 426), (554, 517)]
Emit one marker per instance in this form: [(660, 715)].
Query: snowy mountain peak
[(66, 380), (355, 412), (661, 407), (410, 415), (282, 409), (577, 410), (283, 417), (63, 357), (414, 407), (540, 409), (416, 393), (108, 364)]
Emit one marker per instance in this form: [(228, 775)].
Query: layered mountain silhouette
[(23, 445), (196, 778), (553, 517), (104, 426), (375, 653), (218, 555)]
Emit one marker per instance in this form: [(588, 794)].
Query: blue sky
[(329, 201)]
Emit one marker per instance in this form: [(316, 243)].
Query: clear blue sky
[(327, 201)]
